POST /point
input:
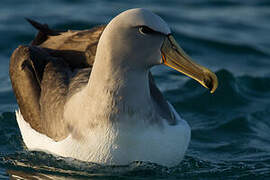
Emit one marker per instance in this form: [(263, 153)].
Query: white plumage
[(120, 144)]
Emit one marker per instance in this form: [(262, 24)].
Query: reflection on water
[(14, 174)]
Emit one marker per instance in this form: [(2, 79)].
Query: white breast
[(119, 144)]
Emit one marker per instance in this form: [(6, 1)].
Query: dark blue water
[(230, 129)]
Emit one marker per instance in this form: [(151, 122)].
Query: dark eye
[(146, 30)]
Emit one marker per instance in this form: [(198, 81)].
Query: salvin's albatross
[(90, 95)]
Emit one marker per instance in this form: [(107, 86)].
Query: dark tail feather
[(43, 32), (44, 28)]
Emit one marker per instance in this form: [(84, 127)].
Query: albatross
[(90, 95)]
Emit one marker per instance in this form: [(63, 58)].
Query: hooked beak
[(175, 57)]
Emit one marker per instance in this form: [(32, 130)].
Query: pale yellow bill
[(174, 57)]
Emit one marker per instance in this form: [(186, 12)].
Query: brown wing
[(40, 75)]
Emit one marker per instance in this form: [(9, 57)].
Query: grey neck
[(118, 90)]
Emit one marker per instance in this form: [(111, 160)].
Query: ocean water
[(230, 129)]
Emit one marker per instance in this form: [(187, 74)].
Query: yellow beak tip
[(210, 81), (213, 84)]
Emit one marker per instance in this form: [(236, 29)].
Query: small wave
[(37, 164), (46, 163), (233, 92), (196, 98)]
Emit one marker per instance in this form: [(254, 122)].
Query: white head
[(127, 41)]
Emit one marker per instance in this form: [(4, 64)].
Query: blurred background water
[(230, 129)]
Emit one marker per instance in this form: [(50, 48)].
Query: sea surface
[(230, 128)]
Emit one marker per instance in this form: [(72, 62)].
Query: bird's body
[(109, 111), (119, 143)]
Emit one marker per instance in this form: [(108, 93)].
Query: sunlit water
[(230, 129)]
